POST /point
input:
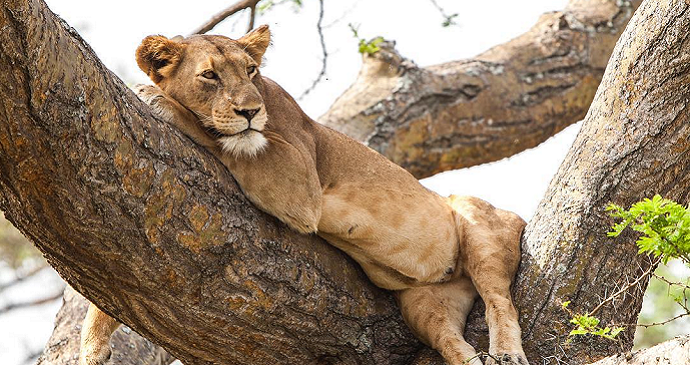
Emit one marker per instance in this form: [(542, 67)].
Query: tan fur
[(436, 253)]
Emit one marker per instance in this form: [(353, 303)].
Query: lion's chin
[(246, 144)]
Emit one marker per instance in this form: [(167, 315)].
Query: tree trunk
[(128, 347), (506, 100), (155, 231), (634, 143)]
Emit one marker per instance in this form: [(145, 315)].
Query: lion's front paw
[(506, 359), (156, 99), (148, 93), (94, 355)]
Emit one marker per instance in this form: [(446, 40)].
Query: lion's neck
[(282, 178)]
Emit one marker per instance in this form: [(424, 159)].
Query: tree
[(155, 231)]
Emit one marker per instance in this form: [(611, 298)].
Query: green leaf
[(578, 331)]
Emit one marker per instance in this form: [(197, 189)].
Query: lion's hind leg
[(437, 314), (491, 247)]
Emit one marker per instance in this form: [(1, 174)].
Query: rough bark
[(672, 352), (156, 232), (506, 100), (634, 143), (128, 347)]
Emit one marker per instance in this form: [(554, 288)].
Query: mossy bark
[(118, 202)]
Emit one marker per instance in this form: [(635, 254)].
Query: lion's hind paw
[(506, 359)]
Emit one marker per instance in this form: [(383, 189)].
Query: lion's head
[(216, 78)]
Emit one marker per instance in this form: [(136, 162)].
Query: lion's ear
[(256, 42), (158, 56)]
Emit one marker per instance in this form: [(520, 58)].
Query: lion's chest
[(400, 238)]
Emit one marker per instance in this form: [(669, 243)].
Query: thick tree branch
[(125, 207), (155, 231), (508, 99), (232, 9)]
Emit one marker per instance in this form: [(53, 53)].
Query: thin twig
[(25, 276), (322, 73), (232, 9), (662, 278), (342, 16), (252, 17), (32, 356), (31, 303), (625, 288), (448, 18), (646, 325)]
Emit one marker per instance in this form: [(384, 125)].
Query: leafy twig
[(448, 18), (365, 47)]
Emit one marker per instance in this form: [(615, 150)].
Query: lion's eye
[(209, 75), (251, 69)]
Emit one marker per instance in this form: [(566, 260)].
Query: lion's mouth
[(214, 132), (218, 134)]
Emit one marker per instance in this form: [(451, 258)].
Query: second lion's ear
[(256, 42), (158, 56)]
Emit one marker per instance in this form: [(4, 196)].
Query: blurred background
[(426, 31)]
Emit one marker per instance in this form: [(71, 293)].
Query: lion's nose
[(247, 113)]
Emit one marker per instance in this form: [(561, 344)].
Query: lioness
[(435, 253)]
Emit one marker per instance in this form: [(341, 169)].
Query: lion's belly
[(400, 239)]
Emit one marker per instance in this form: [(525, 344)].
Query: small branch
[(25, 276), (252, 17), (322, 73), (32, 303), (232, 9), (32, 357), (664, 322), (448, 19), (625, 288), (647, 325), (669, 282), (342, 16)]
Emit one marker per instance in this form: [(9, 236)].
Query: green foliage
[(661, 302), (587, 324), (665, 233), (369, 47), (448, 21), (664, 224)]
